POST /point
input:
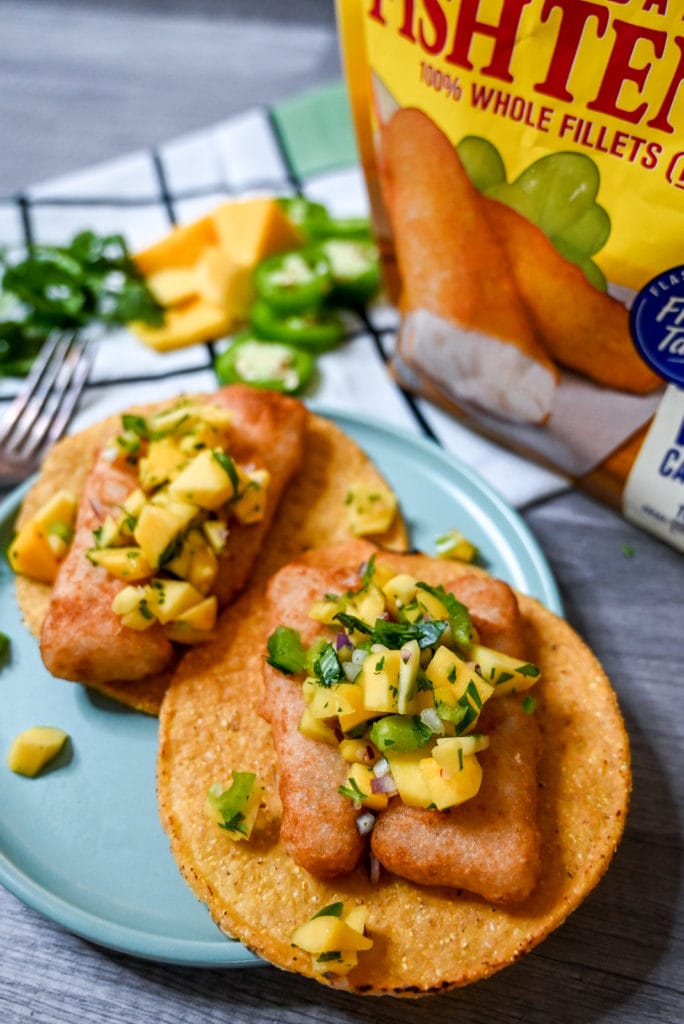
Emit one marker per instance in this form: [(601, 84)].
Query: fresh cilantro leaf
[(286, 651)]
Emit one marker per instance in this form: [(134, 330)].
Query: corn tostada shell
[(425, 939)]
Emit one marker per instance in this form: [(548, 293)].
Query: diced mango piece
[(168, 599), (182, 247), (204, 481), (156, 531), (368, 605), (327, 934), (189, 324), (250, 507), (359, 781), (183, 633), (126, 563), (164, 459), (29, 554), (449, 788), (43, 541), (449, 751), (174, 286), (399, 591), (33, 748), (216, 532), (201, 616), (60, 510), (408, 777), (371, 509), (379, 678), (251, 229), (316, 728), (506, 674)]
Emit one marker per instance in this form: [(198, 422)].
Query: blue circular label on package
[(657, 324)]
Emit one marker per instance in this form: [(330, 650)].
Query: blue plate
[(82, 843)]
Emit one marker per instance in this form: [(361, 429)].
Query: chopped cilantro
[(4, 646), (231, 803), (136, 425), (529, 704), (227, 464), (459, 617), (353, 791), (327, 667), (332, 910), (286, 651), (395, 634)]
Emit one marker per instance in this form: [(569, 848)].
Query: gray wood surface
[(81, 82)]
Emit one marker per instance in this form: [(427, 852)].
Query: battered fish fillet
[(318, 825), (488, 845), (82, 638)]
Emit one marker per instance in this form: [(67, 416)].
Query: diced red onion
[(365, 822), (381, 767), (373, 869), (383, 784), (359, 656)]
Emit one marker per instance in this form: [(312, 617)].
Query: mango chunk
[(168, 599), (33, 748), (250, 507), (204, 481), (125, 563), (250, 229), (327, 934), (189, 324), (156, 531), (29, 554), (450, 788), (371, 509), (43, 541), (359, 782), (172, 287), (182, 247)]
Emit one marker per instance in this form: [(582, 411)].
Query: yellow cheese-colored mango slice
[(182, 247), (172, 287), (251, 229), (185, 325), (33, 748)]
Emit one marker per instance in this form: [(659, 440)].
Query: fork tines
[(40, 414)]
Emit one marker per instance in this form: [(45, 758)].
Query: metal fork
[(41, 412)]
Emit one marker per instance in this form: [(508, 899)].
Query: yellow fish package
[(525, 167)]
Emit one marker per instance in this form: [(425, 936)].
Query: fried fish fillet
[(492, 849), (318, 826), (82, 639), (489, 845), (310, 513), (464, 325)]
